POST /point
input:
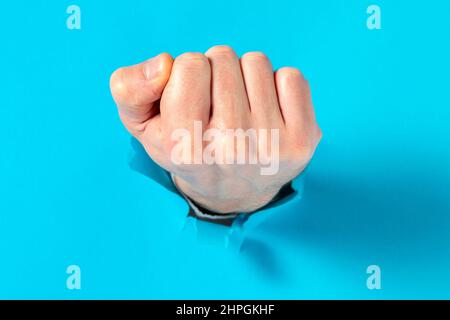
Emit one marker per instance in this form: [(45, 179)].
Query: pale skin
[(223, 91)]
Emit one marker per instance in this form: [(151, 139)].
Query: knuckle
[(290, 71), (255, 56), (221, 50), (194, 59), (118, 85), (294, 75)]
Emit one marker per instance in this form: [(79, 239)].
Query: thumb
[(135, 89)]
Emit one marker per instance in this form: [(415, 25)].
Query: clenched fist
[(231, 131)]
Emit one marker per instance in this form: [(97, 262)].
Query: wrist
[(226, 203)]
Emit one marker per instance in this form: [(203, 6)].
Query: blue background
[(377, 191)]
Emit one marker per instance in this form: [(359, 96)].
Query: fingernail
[(153, 68)]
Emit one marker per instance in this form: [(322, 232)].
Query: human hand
[(174, 107)]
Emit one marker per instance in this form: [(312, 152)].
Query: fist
[(230, 130)]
